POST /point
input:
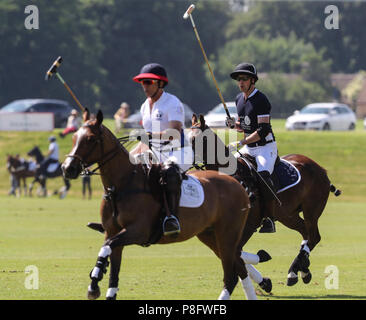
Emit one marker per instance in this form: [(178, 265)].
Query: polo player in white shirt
[(163, 120)]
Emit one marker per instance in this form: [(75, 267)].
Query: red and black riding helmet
[(152, 71)]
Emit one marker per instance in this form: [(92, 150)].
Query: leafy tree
[(345, 47), (277, 56), (135, 33)]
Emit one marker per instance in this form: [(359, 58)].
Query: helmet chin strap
[(157, 91)]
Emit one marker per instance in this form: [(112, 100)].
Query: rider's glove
[(230, 122), (233, 146)]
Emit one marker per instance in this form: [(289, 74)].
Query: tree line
[(104, 44)]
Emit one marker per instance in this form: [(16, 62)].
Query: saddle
[(285, 175)]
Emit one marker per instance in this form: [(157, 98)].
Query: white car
[(217, 116), (322, 116)]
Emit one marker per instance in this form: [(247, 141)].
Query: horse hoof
[(93, 294), (266, 285), (292, 281), (263, 256), (306, 278), (112, 298)]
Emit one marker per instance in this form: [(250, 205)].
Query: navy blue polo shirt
[(248, 111)]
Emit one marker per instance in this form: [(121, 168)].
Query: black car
[(61, 109)]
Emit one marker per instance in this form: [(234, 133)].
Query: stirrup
[(173, 225), (268, 226)]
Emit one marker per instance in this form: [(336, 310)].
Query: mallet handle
[(209, 67), (70, 91)]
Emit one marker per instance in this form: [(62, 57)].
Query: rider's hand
[(233, 146), (145, 138), (230, 122)]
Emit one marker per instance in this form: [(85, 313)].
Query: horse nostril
[(70, 171)]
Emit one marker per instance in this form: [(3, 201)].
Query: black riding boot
[(267, 203), (172, 180)]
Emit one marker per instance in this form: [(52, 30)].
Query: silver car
[(322, 116)]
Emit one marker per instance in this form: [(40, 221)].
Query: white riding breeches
[(183, 157), (265, 156)]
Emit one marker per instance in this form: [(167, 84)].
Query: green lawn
[(51, 235)]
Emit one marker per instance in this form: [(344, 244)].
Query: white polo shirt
[(55, 150), (167, 108)]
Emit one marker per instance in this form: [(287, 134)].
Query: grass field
[(51, 234)]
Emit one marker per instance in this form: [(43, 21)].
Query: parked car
[(322, 116), (61, 109), (135, 119), (217, 116)]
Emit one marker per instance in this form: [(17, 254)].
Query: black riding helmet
[(152, 71), (244, 68)]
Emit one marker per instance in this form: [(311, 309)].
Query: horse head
[(92, 143), (37, 154)]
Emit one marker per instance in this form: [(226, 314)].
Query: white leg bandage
[(249, 258), (105, 251), (248, 289), (225, 295), (111, 292), (254, 274), (304, 245)]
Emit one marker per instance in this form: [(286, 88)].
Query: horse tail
[(336, 191)]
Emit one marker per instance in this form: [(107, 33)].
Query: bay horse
[(37, 154), (309, 196), (20, 170), (131, 209)]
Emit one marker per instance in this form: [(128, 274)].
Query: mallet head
[(189, 11), (51, 71)]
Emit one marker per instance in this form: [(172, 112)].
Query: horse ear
[(202, 120), (194, 119), (99, 117), (86, 115)]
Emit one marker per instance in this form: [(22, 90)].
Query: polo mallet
[(53, 70), (187, 14), (263, 181)]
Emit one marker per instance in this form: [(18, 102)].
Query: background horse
[(309, 196), (37, 154), (20, 171), (131, 211)]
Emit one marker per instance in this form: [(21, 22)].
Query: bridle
[(104, 158)]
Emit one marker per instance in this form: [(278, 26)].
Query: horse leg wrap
[(111, 293), (249, 258), (253, 273), (101, 264), (248, 288), (225, 295), (301, 263)]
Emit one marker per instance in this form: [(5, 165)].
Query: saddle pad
[(192, 195), (288, 175), (32, 166), (52, 167)]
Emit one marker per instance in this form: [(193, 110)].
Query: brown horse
[(20, 171), (309, 196), (131, 210)]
